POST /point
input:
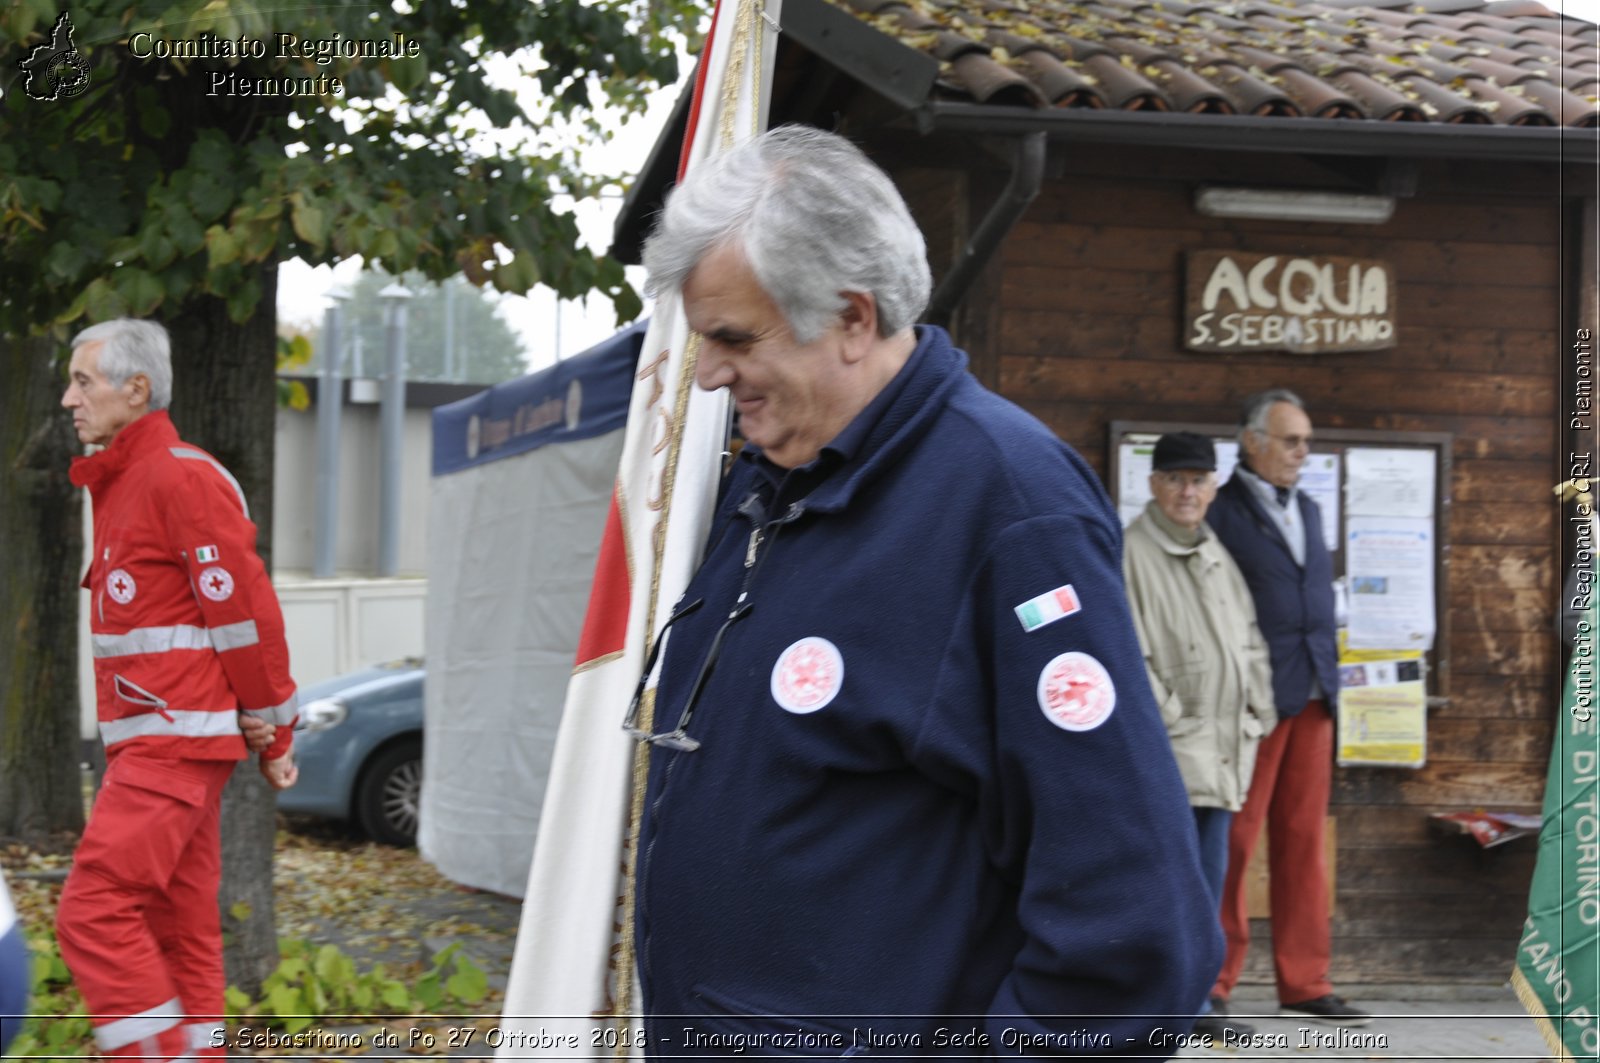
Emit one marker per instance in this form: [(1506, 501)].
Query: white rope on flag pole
[(734, 88)]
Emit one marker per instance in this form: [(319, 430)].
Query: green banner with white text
[(1557, 976)]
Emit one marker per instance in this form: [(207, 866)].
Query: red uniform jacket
[(186, 626)]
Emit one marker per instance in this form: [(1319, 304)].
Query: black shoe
[(1330, 1009), (1221, 1029), (1219, 1006)]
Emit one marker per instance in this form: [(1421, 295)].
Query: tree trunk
[(41, 525), (224, 401)]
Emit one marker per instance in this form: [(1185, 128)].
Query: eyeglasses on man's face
[(1186, 480), (1291, 442)]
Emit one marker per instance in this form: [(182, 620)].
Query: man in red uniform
[(187, 636)]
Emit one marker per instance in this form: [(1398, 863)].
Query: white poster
[(1389, 574), (1389, 483), (1133, 475), (1227, 458), (1319, 478)]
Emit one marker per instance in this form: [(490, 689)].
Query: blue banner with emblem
[(582, 397)]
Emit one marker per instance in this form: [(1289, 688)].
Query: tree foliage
[(165, 189), (484, 348), (164, 180)]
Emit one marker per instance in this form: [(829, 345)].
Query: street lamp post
[(330, 400), (392, 428)]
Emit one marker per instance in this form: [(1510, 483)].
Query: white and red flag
[(573, 983)]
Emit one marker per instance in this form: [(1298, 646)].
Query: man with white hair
[(1274, 531), (188, 640), (907, 782)]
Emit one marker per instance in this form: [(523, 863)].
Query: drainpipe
[(1027, 175)]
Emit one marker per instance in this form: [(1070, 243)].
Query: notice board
[(1385, 503)]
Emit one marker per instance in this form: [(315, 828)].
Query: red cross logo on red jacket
[(216, 583), (120, 586)]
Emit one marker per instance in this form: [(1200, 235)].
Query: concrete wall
[(338, 625), (295, 481)]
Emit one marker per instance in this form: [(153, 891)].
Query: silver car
[(359, 746)]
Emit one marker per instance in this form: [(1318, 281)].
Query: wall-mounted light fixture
[(1283, 205)]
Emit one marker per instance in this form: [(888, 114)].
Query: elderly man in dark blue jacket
[(909, 791), (1274, 532)]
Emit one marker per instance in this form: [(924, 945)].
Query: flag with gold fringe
[(1557, 975), (573, 988)]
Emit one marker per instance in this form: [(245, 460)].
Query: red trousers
[(138, 921), (1294, 774)]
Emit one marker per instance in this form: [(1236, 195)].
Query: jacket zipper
[(100, 592), (140, 696), (750, 508)]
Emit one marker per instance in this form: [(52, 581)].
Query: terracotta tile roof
[(1505, 62)]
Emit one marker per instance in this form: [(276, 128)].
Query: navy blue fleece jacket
[(911, 816), (1294, 603)]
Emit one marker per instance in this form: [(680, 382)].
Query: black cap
[(1184, 450)]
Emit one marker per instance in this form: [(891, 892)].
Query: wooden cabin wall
[(1078, 320)]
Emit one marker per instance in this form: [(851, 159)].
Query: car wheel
[(390, 793)]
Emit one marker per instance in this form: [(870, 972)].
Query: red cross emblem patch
[(808, 675), (216, 583), (1076, 692), (120, 586)]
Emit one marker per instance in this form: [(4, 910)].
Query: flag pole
[(574, 972), (747, 29)]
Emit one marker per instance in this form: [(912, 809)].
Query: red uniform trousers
[(138, 921), (1290, 788)]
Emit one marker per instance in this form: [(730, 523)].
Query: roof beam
[(1300, 136)]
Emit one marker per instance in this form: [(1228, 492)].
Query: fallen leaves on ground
[(376, 903), (321, 874), (34, 873)]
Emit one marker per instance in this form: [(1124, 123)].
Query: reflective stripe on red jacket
[(186, 627)]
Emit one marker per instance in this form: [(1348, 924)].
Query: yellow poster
[(1383, 714), (1350, 656)]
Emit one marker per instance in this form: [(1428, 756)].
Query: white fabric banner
[(572, 987), (503, 617)]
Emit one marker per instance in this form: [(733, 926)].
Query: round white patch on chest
[(808, 675), (120, 586), (1076, 692), (216, 583)]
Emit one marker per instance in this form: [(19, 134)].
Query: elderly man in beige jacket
[(1207, 662)]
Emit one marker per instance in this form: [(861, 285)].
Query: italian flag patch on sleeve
[(1047, 608)]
